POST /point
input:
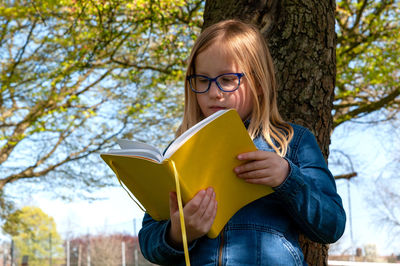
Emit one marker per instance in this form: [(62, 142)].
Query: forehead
[(215, 57), (218, 47)]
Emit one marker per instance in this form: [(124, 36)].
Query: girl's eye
[(227, 79), (202, 80)]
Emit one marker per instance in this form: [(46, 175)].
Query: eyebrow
[(205, 73)]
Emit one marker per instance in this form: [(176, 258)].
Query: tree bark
[(301, 37)]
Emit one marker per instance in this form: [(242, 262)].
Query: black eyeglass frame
[(210, 80)]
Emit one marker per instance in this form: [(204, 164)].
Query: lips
[(217, 108)]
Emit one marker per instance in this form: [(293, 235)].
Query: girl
[(230, 67)]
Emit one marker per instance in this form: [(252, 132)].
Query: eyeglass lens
[(228, 82)]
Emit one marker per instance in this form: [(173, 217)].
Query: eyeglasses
[(227, 82)]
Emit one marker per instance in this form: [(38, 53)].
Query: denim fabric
[(265, 232)]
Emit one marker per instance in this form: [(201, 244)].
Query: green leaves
[(368, 53), (76, 74), (31, 230)]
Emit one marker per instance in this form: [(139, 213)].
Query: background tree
[(367, 92), (368, 51), (34, 234), (76, 74)]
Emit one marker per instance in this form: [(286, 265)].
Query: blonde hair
[(248, 48)]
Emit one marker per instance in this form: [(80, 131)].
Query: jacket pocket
[(256, 245)]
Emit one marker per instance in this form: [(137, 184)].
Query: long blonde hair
[(248, 48)]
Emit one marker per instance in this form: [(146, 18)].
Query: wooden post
[(88, 252), (50, 251), (12, 252), (79, 254), (135, 242), (123, 253), (68, 253)]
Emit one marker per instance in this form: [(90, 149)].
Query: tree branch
[(359, 15), (346, 176), (82, 153), (367, 108)]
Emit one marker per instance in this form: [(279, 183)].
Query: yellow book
[(204, 156)]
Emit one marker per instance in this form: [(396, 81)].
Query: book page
[(190, 132), (138, 149), (144, 153), (131, 144)]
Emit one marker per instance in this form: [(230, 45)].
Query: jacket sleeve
[(309, 193), (153, 244)]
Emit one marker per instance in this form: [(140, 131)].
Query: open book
[(204, 156)]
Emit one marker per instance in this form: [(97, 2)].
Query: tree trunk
[(301, 38)]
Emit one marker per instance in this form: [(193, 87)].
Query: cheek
[(245, 105), (201, 101)]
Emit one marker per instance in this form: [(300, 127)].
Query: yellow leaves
[(89, 113), (22, 9), (31, 228), (16, 12), (89, 61), (136, 108), (140, 4)]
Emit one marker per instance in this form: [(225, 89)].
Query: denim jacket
[(266, 231)]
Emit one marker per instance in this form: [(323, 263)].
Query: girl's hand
[(265, 168), (199, 215)]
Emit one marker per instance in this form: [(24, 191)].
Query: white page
[(150, 154), (131, 144), (190, 132)]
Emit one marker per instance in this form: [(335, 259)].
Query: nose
[(214, 91)]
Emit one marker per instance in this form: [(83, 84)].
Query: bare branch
[(82, 153), (359, 15), (126, 63), (4, 31), (21, 52), (346, 176)]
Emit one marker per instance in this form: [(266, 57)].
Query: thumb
[(173, 203)]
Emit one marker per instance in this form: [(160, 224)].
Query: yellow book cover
[(204, 156)]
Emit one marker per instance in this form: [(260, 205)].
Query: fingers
[(199, 216), (194, 204), (199, 205), (262, 167), (258, 167), (210, 207), (209, 214), (202, 209), (254, 155), (173, 203)]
